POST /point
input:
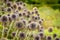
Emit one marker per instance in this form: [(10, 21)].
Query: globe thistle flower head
[(22, 35), (37, 37), (50, 29), (13, 34), (20, 14), (18, 3), (41, 34), (14, 16), (36, 12), (57, 39), (9, 4), (19, 7), (35, 8), (54, 35), (19, 25), (14, 6), (32, 25), (4, 18), (21, 2), (9, 9), (49, 38), (8, 14)]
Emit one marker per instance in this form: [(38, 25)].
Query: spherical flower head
[(20, 14), (21, 2), (9, 9), (50, 29), (14, 16), (14, 6), (19, 25), (35, 8), (41, 34), (9, 4), (32, 25), (4, 18), (13, 34), (22, 35), (49, 38), (19, 7), (37, 37), (54, 35), (57, 39)]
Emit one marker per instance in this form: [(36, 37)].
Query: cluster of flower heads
[(19, 23)]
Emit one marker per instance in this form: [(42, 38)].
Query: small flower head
[(35, 8), (14, 6), (9, 9), (19, 7), (37, 37), (36, 11), (50, 29), (9, 4), (32, 25), (54, 35), (19, 25), (21, 2), (14, 16), (41, 34), (4, 18), (20, 14), (57, 39), (22, 35), (49, 38), (13, 34)]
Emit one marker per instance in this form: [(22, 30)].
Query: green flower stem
[(10, 28), (16, 35)]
